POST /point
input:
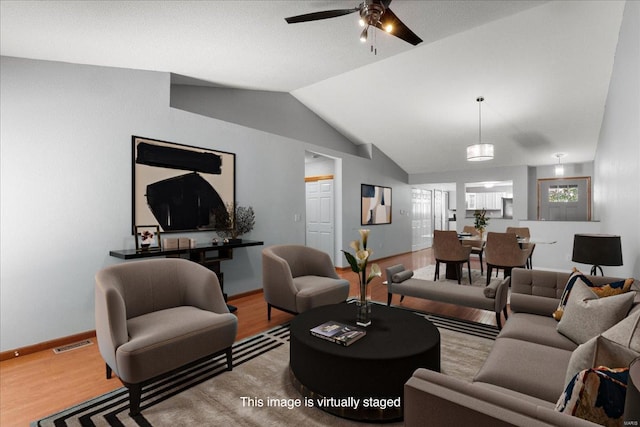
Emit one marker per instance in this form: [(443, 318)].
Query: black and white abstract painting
[(181, 187)]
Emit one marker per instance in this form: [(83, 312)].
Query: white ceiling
[(542, 67)]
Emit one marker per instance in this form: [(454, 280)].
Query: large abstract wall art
[(180, 187), (375, 204)]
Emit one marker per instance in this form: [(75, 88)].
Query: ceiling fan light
[(479, 152), (364, 34), (388, 28), (361, 22)]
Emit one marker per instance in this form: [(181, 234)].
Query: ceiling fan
[(373, 13)]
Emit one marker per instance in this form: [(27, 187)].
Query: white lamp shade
[(559, 170), (479, 152)]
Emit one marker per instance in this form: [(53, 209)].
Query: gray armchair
[(297, 278), (155, 316)]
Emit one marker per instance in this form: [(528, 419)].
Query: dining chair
[(476, 243), (523, 232), (448, 249), (503, 251)]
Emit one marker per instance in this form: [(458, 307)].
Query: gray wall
[(617, 161), (66, 186)]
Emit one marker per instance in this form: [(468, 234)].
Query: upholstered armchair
[(297, 278), (503, 251), (156, 316), (448, 249), (476, 243)]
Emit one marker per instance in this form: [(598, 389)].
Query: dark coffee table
[(372, 370)]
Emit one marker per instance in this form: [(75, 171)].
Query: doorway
[(433, 208), (320, 202)]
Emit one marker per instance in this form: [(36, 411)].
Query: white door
[(421, 220), (320, 233)]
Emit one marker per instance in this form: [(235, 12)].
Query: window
[(563, 193)]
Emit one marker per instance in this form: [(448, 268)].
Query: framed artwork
[(375, 204), (181, 188), (147, 237)]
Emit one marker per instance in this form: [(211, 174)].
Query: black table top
[(201, 247), (394, 333)]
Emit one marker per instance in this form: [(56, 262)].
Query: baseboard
[(58, 342)]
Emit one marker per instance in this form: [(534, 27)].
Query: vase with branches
[(236, 221)]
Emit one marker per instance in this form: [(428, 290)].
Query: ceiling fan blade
[(315, 16), (399, 29)]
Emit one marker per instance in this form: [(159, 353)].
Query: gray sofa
[(525, 373)]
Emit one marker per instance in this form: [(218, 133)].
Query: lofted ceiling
[(542, 67)]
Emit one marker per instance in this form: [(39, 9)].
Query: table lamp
[(597, 249)]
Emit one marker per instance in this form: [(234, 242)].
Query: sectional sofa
[(531, 362)]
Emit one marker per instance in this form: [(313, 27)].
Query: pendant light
[(559, 169), (479, 152)]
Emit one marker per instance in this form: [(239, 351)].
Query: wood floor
[(35, 385)]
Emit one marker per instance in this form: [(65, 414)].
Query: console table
[(209, 254)]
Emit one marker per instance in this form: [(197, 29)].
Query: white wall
[(617, 161), (65, 161)]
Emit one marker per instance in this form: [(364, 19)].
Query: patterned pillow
[(607, 290), (596, 395), (575, 275)]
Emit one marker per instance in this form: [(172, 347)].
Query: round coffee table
[(363, 381)]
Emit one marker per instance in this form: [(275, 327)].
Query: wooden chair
[(448, 249)]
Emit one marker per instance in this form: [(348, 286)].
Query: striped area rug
[(160, 398)]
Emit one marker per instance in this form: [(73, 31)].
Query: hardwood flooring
[(35, 385)]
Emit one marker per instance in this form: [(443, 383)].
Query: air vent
[(72, 346)]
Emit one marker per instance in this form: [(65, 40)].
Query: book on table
[(339, 333)]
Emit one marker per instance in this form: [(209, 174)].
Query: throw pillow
[(613, 288), (609, 289), (596, 395), (598, 351), (617, 346), (402, 276), (575, 275), (586, 315)]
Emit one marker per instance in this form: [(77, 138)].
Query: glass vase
[(364, 306)]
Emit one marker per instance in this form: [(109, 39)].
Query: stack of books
[(338, 333)]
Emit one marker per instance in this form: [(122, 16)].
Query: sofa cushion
[(596, 395), (601, 289), (536, 329), (533, 369), (586, 315), (202, 331)]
